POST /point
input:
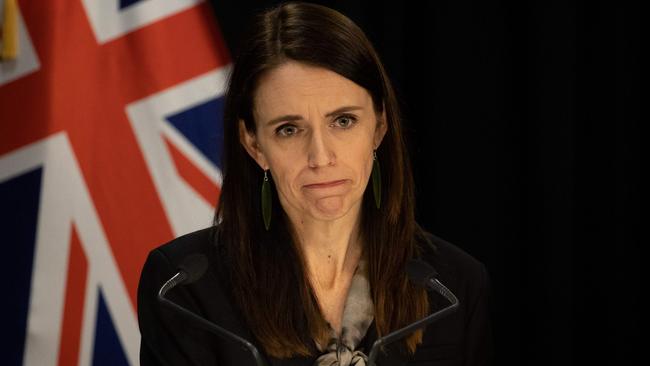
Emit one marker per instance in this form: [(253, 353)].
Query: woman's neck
[(331, 249)]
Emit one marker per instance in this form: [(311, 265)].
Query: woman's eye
[(345, 121), (286, 130)]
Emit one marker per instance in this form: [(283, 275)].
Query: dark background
[(523, 124)]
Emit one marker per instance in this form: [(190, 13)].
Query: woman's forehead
[(294, 87)]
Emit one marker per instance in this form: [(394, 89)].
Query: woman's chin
[(329, 208)]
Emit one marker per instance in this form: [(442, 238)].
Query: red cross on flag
[(110, 127)]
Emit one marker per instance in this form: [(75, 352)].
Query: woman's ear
[(250, 143), (382, 127)]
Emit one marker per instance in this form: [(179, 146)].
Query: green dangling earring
[(376, 179), (266, 201)]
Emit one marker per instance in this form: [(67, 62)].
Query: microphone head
[(194, 266), (420, 272)]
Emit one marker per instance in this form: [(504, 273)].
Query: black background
[(523, 125)]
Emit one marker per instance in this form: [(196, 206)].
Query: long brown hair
[(266, 269)]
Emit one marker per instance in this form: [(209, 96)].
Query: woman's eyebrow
[(288, 117), (349, 108), (296, 117)]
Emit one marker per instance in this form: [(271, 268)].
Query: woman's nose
[(320, 152)]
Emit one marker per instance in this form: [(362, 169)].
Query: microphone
[(421, 273), (424, 274), (191, 269)]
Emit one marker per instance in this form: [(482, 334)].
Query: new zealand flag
[(110, 132)]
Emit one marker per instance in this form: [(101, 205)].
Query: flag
[(110, 135)]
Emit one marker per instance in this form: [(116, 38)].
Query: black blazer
[(462, 338)]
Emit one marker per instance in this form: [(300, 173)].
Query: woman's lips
[(333, 183)]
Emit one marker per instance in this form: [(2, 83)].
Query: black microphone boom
[(193, 268), (420, 273)]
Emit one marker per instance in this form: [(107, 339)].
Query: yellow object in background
[(9, 30)]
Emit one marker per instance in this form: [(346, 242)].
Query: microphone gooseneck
[(191, 269), (195, 266), (421, 273)]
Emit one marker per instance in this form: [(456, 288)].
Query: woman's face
[(315, 131)]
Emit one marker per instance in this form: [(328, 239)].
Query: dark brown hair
[(266, 268)]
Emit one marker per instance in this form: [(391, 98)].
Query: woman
[(307, 258)]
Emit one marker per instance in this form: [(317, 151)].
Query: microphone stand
[(381, 342), (204, 323)]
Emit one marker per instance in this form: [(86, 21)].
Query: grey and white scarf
[(358, 314)]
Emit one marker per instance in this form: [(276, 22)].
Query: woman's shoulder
[(165, 260), (466, 334), (455, 266), (201, 241), (435, 249), (206, 297)]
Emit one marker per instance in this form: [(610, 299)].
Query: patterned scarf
[(358, 314)]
